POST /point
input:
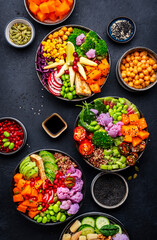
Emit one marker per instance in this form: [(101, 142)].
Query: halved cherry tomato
[(86, 148), (89, 135), (142, 146), (131, 159), (79, 133), (85, 141), (70, 182), (124, 149)]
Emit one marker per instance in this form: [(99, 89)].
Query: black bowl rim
[(105, 206), (101, 170), (95, 214), (139, 48), (36, 55), (122, 17), (49, 24), (24, 130), (83, 191)]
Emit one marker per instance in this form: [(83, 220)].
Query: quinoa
[(64, 162), (97, 157)]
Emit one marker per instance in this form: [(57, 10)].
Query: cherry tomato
[(142, 146), (134, 149), (131, 159), (70, 182), (85, 141), (79, 133), (86, 148), (124, 149), (89, 135)]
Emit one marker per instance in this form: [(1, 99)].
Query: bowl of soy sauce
[(54, 125)]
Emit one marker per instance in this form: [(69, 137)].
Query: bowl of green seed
[(19, 33)]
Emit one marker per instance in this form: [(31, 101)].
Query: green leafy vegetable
[(109, 230), (93, 36), (102, 139), (87, 45), (100, 106), (79, 31), (101, 48), (89, 116)]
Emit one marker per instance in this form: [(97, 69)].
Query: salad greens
[(102, 139), (109, 230)]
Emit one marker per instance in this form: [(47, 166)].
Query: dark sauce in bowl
[(54, 125), (109, 190)]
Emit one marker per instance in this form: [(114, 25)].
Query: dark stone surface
[(21, 91)]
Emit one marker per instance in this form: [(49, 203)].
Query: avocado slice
[(52, 166), (50, 177), (127, 102), (32, 173), (46, 153), (26, 160), (47, 158), (50, 172), (29, 166)]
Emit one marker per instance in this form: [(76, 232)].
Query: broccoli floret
[(87, 45), (102, 139), (93, 36), (72, 38), (101, 48), (78, 31)]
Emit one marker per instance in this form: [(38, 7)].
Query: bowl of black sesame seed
[(121, 29)]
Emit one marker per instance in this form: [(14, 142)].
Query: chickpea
[(61, 33), (136, 54), (145, 72), (147, 78), (123, 74), (122, 67), (64, 29), (143, 61), (126, 80), (135, 62), (130, 84), (139, 69), (127, 65), (131, 64), (141, 81), (144, 53), (152, 72), (152, 79), (131, 69), (65, 37), (135, 71), (55, 34), (129, 79), (128, 74), (139, 64), (149, 69), (132, 75), (143, 66), (136, 77), (143, 85), (151, 61), (67, 33), (137, 82), (154, 76), (155, 66), (123, 61), (144, 57), (70, 29), (147, 83), (132, 58), (141, 75)]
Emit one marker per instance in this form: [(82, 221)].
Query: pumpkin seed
[(136, 168), (135, 175), (130, 177)]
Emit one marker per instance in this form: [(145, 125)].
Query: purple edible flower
[(77, 197), (66, 204), (91, 53), (94, 111), (63, 193), (104, 119), (73, 209), (80, 39), (77, 174), (119, 236)]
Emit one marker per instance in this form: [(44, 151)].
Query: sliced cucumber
[(101, 221), (120, 229), (86, 229), (88, 220)]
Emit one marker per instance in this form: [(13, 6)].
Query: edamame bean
[(74, 92), (50, 207), (63, 88), (55, 199), (51, 213), (67, 77), (36, 217), (63, 218), (71, 89), (93, 123), (65, 84), (119, 118), (107, 107), (124, 111), (48, 216), (39, 219), (58, 203), (119, 109), (44, 220), (121, 100), (11, 146), (65, 95), (97, 127), (56, 208), (53, 218), (62, 93), (58, 216), (69, 85), (5, 140), (125, 107), (39, 208), (6, 134), (69, 96), (67, 90), (6, 144)]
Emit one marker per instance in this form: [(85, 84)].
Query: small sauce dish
[(121, 29), (54, 125), (22, 33), (109, 190)]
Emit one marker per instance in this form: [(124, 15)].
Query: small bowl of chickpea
[(137, 69)]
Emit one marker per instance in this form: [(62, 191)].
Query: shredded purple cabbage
[(41, 63)]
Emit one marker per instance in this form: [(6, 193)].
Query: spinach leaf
[(89, 116), (100, 106), (109, 230)]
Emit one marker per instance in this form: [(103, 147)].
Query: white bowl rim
[(25, 21)]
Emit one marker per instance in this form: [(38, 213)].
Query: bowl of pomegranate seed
[(13, 135)]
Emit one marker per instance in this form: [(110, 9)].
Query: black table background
[(20, 91)]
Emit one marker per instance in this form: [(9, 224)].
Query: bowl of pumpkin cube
[(51, 12)]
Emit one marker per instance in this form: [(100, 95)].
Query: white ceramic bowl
[(19, 20)]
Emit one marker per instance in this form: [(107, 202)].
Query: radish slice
[(51, 81), (54, 91), (57, 80)]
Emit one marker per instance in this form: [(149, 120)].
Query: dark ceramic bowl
[(24, 131), (118, 72), (48, 22), (103, 205), (108, 171), (83, 191), (112, 220), (127, 39), (39, 74)]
